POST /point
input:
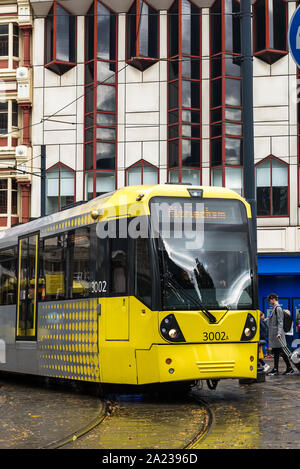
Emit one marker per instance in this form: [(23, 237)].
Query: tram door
[(27, 287)]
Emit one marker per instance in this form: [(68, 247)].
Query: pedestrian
[(298, 322), (263, 338), (276, 332)]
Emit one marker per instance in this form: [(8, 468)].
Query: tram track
[(142, 422)]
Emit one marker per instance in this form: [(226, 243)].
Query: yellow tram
[(148, 284)]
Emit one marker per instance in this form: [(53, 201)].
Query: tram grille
[(215, 367)]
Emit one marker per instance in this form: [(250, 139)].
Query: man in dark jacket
[(276, 332)]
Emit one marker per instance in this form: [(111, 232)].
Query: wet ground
[(262, 415)]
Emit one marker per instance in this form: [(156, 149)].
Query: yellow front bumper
[(196, 361)]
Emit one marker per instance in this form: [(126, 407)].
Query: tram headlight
[(173, 333), (170, 330), (250, 328)]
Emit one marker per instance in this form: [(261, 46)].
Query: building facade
[(15, 112), (141, 92)]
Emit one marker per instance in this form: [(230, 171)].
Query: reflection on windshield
[(215, 274)]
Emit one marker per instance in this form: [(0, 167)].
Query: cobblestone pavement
[(34, 415), (261, 416)]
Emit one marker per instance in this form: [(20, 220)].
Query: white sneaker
[(266, 368)]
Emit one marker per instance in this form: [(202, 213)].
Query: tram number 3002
[(99, 287), (215, 336)]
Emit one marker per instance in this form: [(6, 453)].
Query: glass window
[(53, 268), (234, 151), (105, 155), (3, 118), (104, 182), (234, 179), (216, 177), (3, 195), (118, 265), (106, 98), (15, 40), (143, 18), (216, 28), (80, 264), (106, 33), (272, 188), (8, 276), (60, 39), (191, 176), (60, 190), (4, 40), (259, 22), (142, 173), (143, 275), (190, 94)]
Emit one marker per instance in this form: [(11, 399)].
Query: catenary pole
[(247, 100)]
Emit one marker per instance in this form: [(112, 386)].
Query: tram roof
[(121, 200)]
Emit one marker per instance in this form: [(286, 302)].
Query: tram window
[(8, 276), (118, 265), (142, 275), (80, 264), (53, 268)]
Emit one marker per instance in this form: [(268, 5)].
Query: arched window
[(60, 188), (270, 29), (60, 50), (142, 35), (143, 173), (272, 184)]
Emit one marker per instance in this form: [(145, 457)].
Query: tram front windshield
[(204, 253)]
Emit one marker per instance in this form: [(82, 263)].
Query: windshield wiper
[(175, 284)]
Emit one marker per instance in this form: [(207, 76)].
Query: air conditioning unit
[(21, 151)]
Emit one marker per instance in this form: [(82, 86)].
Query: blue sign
[(294, 36)]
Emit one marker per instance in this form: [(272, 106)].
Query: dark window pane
[(89, 73), (131, 32), (148, 31), (173, 131), (216, 93), (232, 26), (106, 33), (8, 276), (280, 201), (89, 99), (173, 69), (216, 66), (173, 95), (173, 30), (216, 115), (49, 36), (89, 134), (89, 34), (118, 265), (190, 153), (173, 117), (259, 21), (216, 28), (16, 41), (143, 277), (63, 35), (278, 36), (190, 29), (89, 156), (216, 130), (174, 154), (191, 68), (105, 158), (89, 120), (3, 201), (263, 201), (216, 151)]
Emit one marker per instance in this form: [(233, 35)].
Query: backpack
[(287, 320)]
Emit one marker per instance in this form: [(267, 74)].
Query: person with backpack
[(276, 332)]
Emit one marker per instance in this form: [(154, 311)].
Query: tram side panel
[(16, 356)]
